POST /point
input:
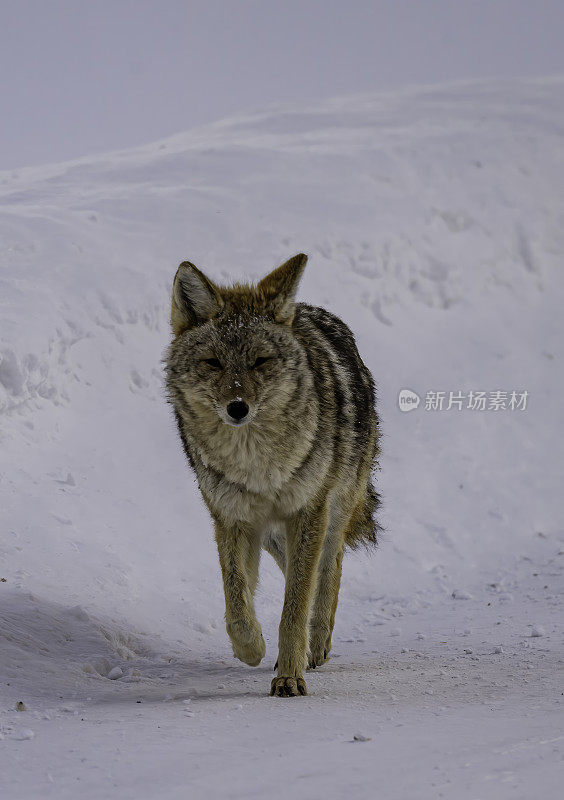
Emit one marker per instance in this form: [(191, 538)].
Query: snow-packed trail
[(434, 221), (462, 700)]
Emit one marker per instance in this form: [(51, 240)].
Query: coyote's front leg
[(304, 539), (239, 552)]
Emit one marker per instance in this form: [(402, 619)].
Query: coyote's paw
[(319, 647), (288, 687), (246, 639)]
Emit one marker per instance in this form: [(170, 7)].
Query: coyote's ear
[(195, 299), (280, 286)]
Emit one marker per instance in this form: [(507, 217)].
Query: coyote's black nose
[(238, 409)]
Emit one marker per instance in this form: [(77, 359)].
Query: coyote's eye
[(260, 361), (213, 362)]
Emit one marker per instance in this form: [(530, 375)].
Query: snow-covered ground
[(434, 221)]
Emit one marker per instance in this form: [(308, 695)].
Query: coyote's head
[(234, 356)]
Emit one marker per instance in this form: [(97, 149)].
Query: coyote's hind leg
[(322, 618)]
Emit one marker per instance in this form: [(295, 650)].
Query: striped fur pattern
[(276, 412)]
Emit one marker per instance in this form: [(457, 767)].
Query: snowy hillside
[(434, 222)]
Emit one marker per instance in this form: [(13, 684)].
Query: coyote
[(276, 412)]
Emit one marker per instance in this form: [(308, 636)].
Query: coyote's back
[(276, 411), (347, 410)]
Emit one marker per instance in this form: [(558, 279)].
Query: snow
[(434, 223)]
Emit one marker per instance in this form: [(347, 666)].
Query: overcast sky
[(84, 76)]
